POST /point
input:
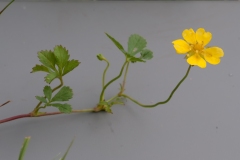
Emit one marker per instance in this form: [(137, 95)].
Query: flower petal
[(181, 46), (213, 54), (189, 35), (215, 51), (203, 37), (197, 60)]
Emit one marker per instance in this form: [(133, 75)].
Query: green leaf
[(134, 59), (47, 58), (64, 94), (136, 43), (38, 68), (119, 100), (103, 103), (64, 108), (70, 66), (146, 54), (24, 148), (51, 76), (117, 44), (65, 155), (62, 56), (41, 99), (48, 92), (107, 108)]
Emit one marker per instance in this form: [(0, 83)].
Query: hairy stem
[(6, 7), (163, 102), (41, 115), (114, 79)]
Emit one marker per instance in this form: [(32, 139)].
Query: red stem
[(15, 117), (27, 115)]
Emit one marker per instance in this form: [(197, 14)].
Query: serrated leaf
[(117, 44), (62, 56), (64, 108), (136, 43), (64, 94), (38, 68), (48, 92), (41, 99), (70, 66), (47, 58), (50, 77), (146, 54)]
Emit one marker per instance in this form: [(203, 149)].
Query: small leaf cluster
[(108, 105), (56, 63), (64, 94), (136, 45)]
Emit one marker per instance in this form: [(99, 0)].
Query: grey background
[(202, 121), (88, 0)]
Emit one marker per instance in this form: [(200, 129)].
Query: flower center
[(197, 47)]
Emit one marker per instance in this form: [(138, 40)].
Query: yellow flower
[(194, 45)]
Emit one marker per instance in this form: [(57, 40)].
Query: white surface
[(201, 122)]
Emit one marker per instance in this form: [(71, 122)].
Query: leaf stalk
[(163, 102)]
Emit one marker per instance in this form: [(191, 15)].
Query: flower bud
[(101, 57)]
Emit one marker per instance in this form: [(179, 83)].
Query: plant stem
[(41, 115), (104, 74), (4, 103), (59, 86), (122, 86), (124, 81), (114, 79), (112, 98), (42, 107), (36, 109), (163, 102), (6, 7)]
